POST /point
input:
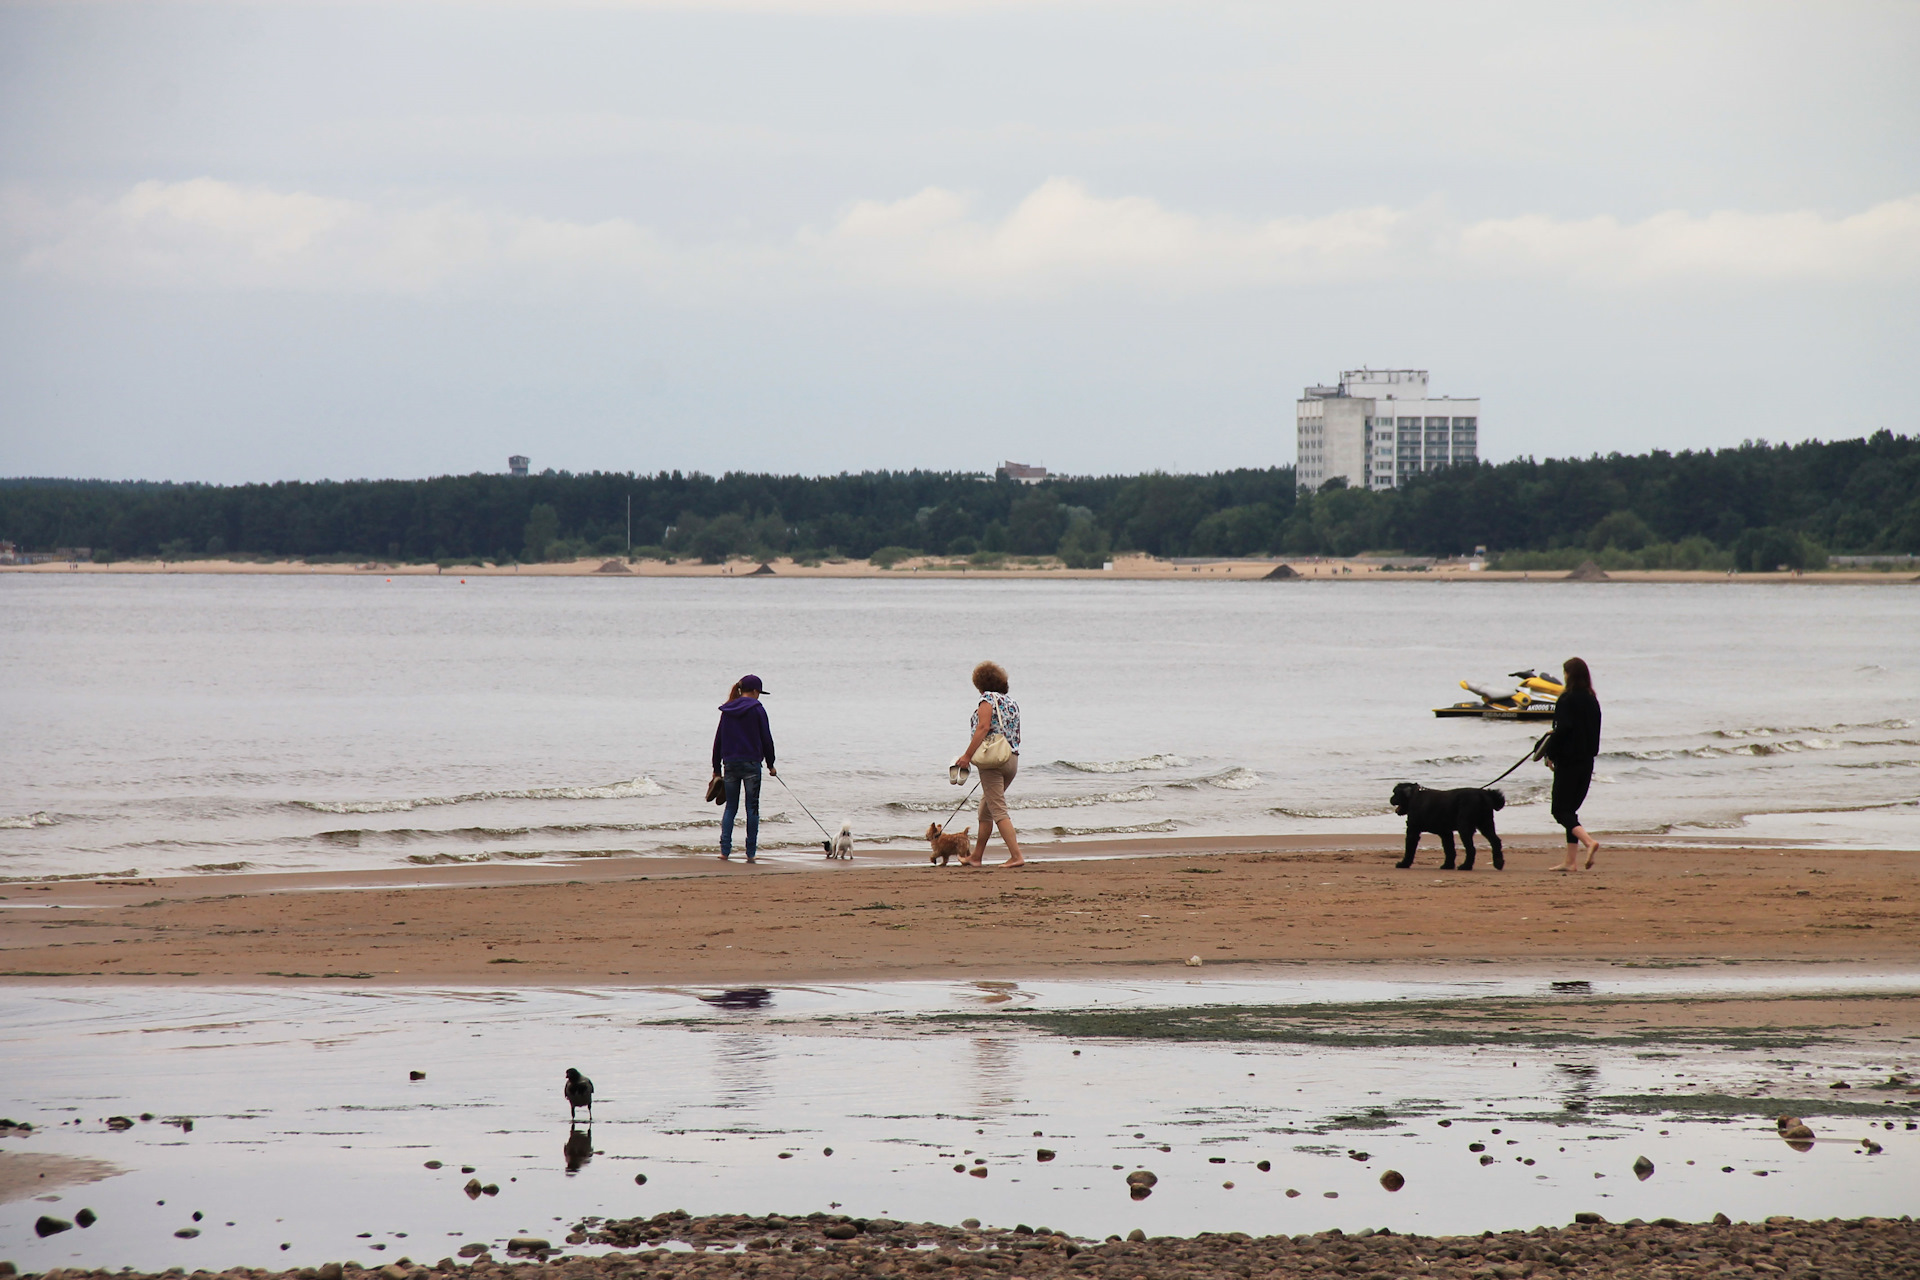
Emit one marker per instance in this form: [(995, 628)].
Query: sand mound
[(613, 566), (764, 571), (1280, 573), (1588, 572)]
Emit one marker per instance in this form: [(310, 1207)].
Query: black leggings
[(1571, 778)]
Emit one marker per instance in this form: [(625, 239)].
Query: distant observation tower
[(517, 464)]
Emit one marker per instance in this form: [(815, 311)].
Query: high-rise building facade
[(1380, 426)]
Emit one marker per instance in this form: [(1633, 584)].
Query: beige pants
[(993, 790)]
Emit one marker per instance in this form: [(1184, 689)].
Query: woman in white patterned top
[(996, 713)]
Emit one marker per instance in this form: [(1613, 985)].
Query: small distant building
[(1020, 471), (1378, 427), (517, 464)]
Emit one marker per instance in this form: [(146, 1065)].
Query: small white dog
[(843, 843)]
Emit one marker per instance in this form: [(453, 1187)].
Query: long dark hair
[(1578, 677)]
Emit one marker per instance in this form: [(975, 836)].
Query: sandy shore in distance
[(1243, 907), (1129, 567)]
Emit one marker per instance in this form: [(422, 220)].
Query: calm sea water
[(161, 724)]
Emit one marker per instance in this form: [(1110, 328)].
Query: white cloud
[(1060, 239)]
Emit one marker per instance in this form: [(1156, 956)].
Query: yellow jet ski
[(1534, 698)]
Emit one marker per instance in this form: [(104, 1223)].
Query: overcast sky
[(254, 241)]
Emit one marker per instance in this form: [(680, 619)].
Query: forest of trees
[(1752, 507)]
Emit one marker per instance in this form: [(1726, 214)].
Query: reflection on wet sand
[(578, 1149), (310, 1133), (996, 1074), (743, 1066)]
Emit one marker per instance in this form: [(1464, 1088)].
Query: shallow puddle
[(307, 1132)]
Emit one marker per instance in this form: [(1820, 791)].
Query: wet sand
[(35, 1173), (1146, 906)]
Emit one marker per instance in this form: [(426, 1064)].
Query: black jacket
[(1576, 727)]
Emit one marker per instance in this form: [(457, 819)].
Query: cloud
[(1060, 239)]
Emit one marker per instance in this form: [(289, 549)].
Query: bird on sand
[(578, 1092)]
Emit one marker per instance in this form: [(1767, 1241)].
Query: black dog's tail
[(1499, 798)]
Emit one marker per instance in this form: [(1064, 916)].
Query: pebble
[(1392, 1180), (1642, 1168)]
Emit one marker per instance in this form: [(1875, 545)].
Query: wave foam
[(636, 788), (1771, 731), (1138, 828), (27, 821), (1771, 747), (1333, 811), (1132, 796), (1141, 764)]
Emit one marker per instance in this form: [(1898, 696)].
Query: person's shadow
[(579, 1148)]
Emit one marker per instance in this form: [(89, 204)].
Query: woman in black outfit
[(1570, 752)]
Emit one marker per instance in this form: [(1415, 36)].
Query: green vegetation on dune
[(1757, 506)]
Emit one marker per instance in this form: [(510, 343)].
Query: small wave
[(402, 835), (1132, 796), (26, 821), (212, 867), (1333, 811), (1773, 747), (1234, 779), (1142, 764), (635, 788), (128, 874), (446, 859), (1774, 731), (1138, 828), (1446, 760)]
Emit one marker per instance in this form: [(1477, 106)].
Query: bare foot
[(1562, 867), (1592, 850), (1013, 862)]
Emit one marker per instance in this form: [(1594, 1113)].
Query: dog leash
[(1532, 751), (803, 808), (963, 804)]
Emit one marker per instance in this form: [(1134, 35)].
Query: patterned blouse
[(1006, 718)]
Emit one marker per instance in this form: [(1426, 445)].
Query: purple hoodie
[(744, 733)]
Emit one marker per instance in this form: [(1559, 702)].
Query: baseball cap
[(752, 682)]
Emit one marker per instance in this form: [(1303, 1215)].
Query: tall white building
[(1379, 426)]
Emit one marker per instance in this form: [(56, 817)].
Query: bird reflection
[(1576, 1084), (579, 1148)]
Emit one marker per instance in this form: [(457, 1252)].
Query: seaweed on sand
[(1408, 1024)]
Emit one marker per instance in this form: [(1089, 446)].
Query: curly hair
[(990, 677)]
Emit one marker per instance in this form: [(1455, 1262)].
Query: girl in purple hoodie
[(743, 740)]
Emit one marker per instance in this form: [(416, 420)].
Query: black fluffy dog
[(1466, 810)]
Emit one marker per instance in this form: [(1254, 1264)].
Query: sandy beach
[(1235, 905), (1125, 568)]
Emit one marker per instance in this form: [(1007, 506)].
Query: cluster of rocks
[(829, 1247)]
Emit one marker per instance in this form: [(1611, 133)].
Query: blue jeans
[(740, 776)]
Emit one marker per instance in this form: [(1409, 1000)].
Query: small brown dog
[(946, 846)]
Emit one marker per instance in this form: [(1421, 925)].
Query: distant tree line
[(1756, 506)]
